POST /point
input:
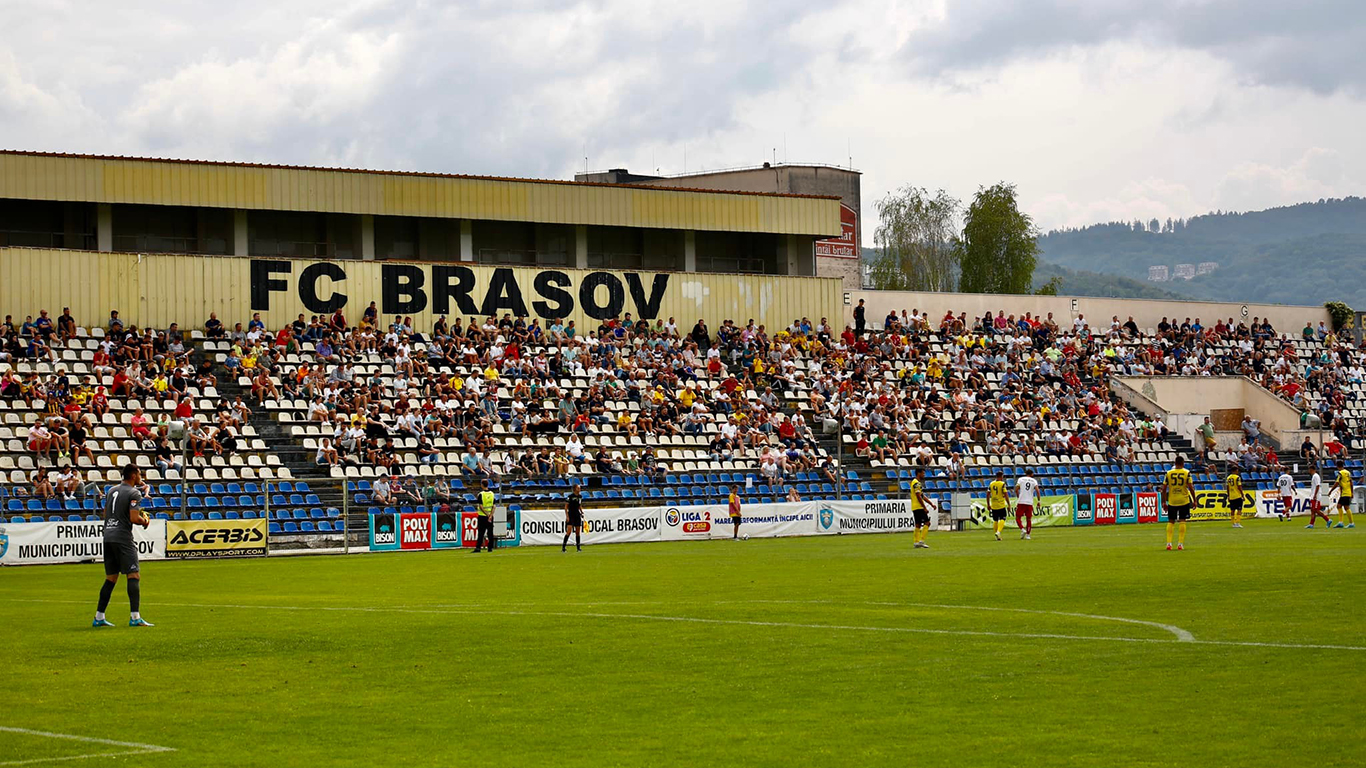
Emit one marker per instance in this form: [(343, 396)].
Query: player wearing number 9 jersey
[(1026, 491), (1177, 498)]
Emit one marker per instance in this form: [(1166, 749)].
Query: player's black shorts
[(922, 517), (1235, 505), (1344, 501), (1178, 513), (573, 520), (120, 557), (998, 514)]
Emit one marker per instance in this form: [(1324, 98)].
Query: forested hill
[(1299, 254)]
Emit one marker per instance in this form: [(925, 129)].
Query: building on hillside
[(1206, 267), (122, 204), (1183, 271), (836, 256), (1158, 273)]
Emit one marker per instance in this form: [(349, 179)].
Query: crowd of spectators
[(154, 374), (445, 386), (936, 391)]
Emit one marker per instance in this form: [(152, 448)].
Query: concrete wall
[(1183, 403), (1098, 311), (158, 289)]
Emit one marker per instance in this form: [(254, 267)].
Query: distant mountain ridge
[(1298, 254)]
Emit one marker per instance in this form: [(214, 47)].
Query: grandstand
[(316, 412)]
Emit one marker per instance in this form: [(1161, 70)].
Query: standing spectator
[(1206, 432)]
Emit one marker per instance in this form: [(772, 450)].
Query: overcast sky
[(1096, 109)]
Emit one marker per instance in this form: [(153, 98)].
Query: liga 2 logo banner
[(712, 521), (68, 542), (216, 538)]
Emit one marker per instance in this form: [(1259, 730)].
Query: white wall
[(1146, 312)]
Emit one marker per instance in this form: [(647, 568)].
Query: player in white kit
[(1026, 491), (1285, 488)]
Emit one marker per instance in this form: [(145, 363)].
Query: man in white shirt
[(1026, 491), (1285, 487), (1315, 505)]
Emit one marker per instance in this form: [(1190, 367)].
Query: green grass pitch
[(851, 650)]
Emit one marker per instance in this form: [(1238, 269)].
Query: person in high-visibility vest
[(485, 509)]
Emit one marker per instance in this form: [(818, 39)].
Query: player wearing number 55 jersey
[(1177, 497)]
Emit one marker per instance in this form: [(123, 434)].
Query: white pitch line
[(751, 623), (135, 747), (1181, 635)]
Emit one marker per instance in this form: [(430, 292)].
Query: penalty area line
[(130, 747)]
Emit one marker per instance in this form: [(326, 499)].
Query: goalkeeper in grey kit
[(121, 513)]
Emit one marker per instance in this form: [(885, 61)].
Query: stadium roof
[(254, 186)]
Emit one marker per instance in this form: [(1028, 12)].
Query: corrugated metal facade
[(221, 185), (160, 289)]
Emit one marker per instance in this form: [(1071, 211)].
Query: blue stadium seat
[(215, 515), (291, 527), (275, 529)]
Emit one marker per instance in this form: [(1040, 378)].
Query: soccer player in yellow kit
[(1344, 483), (920, 509), (1233, 485), (1176, 497), (997, 501)]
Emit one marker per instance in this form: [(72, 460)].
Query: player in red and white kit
[(1316, 501), (1026, 491), (1285, 487)]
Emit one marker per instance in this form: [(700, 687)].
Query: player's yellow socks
[(1181, 534), (1237, 516), (1170, 526)]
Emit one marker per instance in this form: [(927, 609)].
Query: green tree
[(1051, 288), (999, 245), (917, 237)]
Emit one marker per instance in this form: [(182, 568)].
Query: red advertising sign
[(469, 529), (1107, 506), (415, 531), (846, 246), (1149, 507)]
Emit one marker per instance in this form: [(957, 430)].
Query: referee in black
[(121, 513), (573, 519)]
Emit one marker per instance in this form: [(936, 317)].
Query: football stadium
[(795, 522), (307, 463)]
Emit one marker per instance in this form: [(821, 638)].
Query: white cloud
[(1097, 110)]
